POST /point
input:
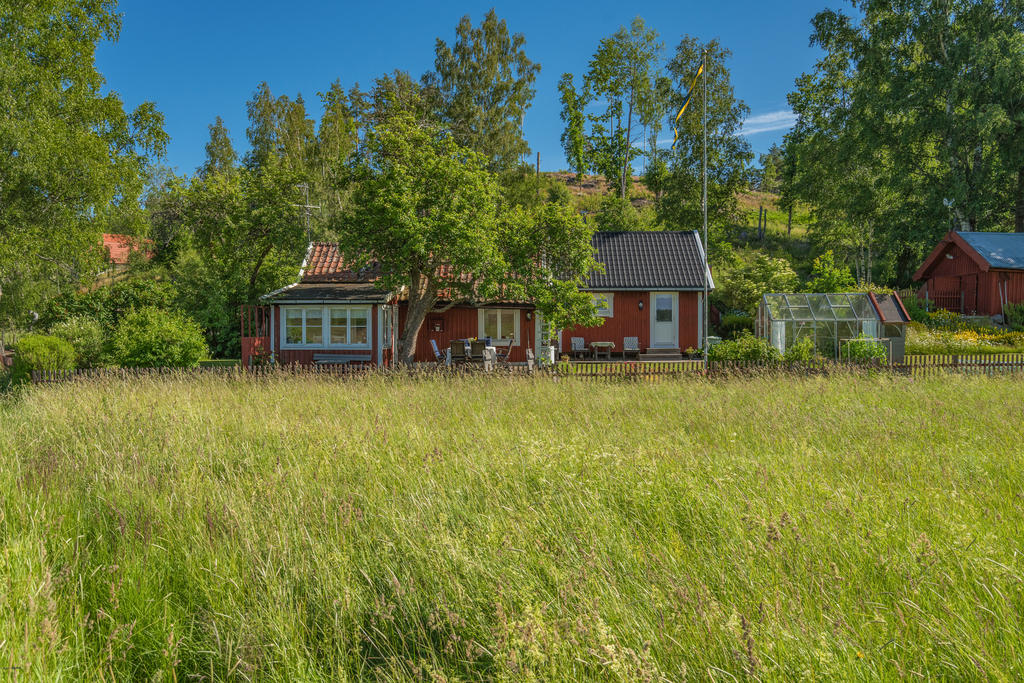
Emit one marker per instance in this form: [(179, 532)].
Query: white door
[(664, 320)]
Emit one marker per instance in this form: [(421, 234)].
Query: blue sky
[(198, 60)]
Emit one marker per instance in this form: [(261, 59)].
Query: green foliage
[(732, 325), (430, 210), (963, 339), (41, 352), (915, 309), (801, 351), (220, 154), (484, 85), (153, 338), (624, 78), (619, 214), (107, 305), (863, 349), (746, 348), (86, 337), (728, 153), (72, 158), (1014, 316), (740, 286), (827, 277), (951, 159)]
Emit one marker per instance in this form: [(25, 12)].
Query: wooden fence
[(914, 366)]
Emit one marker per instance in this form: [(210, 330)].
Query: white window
[(327, 327), (603, 303), (499, 323)]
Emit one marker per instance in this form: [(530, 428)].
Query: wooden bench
[(340, 358)]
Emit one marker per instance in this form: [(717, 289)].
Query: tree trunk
[(422, 297), (625, 152), (1018, 218), (789, 221)]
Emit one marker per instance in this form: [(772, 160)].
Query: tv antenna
[(306, 207)]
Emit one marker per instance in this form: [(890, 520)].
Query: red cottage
[(974, 273), (651, 289)]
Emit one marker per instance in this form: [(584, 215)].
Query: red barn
[(974, 273)]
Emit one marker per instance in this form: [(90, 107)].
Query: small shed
[(831, 319), (974, 273)]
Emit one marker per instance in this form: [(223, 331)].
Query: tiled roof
[(649, 260), (120, 247), (325, 263), (999, 249)]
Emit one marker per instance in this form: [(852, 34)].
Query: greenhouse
[(832, 319)]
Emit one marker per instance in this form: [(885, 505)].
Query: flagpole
[(704, 205)]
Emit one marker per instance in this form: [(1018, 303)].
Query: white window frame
[(325, 323), (606, 298), (480, 323)]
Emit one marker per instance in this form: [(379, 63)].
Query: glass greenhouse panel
[(820, 307)]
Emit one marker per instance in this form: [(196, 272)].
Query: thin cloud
[(763, 123)]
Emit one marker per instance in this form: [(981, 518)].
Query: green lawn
[(481, 528)]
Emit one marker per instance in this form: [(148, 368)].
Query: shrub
[(733, 325), (826, 276), (864, 349), (86, 336), (108, 305), (152, 338), (916, 309), (740, 286), (802, 351), (1014, 316), (41, 352), (747, 348)]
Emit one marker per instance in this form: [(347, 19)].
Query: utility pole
[(306, 207)]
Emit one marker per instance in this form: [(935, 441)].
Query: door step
[(661, 354)]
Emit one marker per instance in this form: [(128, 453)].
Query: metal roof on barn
[(669, 260), (1004, 250)]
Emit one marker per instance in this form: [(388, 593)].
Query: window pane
[(339, 329), (314, 326), (508, 324), (293, 326), (490, 323), (358, 326)]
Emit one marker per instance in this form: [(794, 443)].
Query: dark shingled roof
[(334, 292), (649, 261), (999, 249), (891, 308)]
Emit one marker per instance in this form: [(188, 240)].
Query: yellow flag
[(686, 103)]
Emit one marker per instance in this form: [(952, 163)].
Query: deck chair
[(476, 350), (458, 348), (630, 346), (438, 356), (579, 349), (531, 361)]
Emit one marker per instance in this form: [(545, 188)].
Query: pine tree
[(220, 154)]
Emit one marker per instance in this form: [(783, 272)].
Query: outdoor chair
[(438, 356), (476, 350), (458, 349), (631, 346), (579, 349)]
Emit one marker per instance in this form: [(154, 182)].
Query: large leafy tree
[(482, 86), (428, 209), (911, 122), (220, 153), (623, 78), (728, 153), (574, 137), (71, 157)]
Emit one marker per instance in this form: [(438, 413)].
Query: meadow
[(860, 527)]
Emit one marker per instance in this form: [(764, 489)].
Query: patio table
[(604, 347)]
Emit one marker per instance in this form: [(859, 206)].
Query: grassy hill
[(852, 528)]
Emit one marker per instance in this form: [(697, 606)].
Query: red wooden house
[(974, 273), (651, 288)]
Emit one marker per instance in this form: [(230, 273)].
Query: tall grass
[(511, 529)]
